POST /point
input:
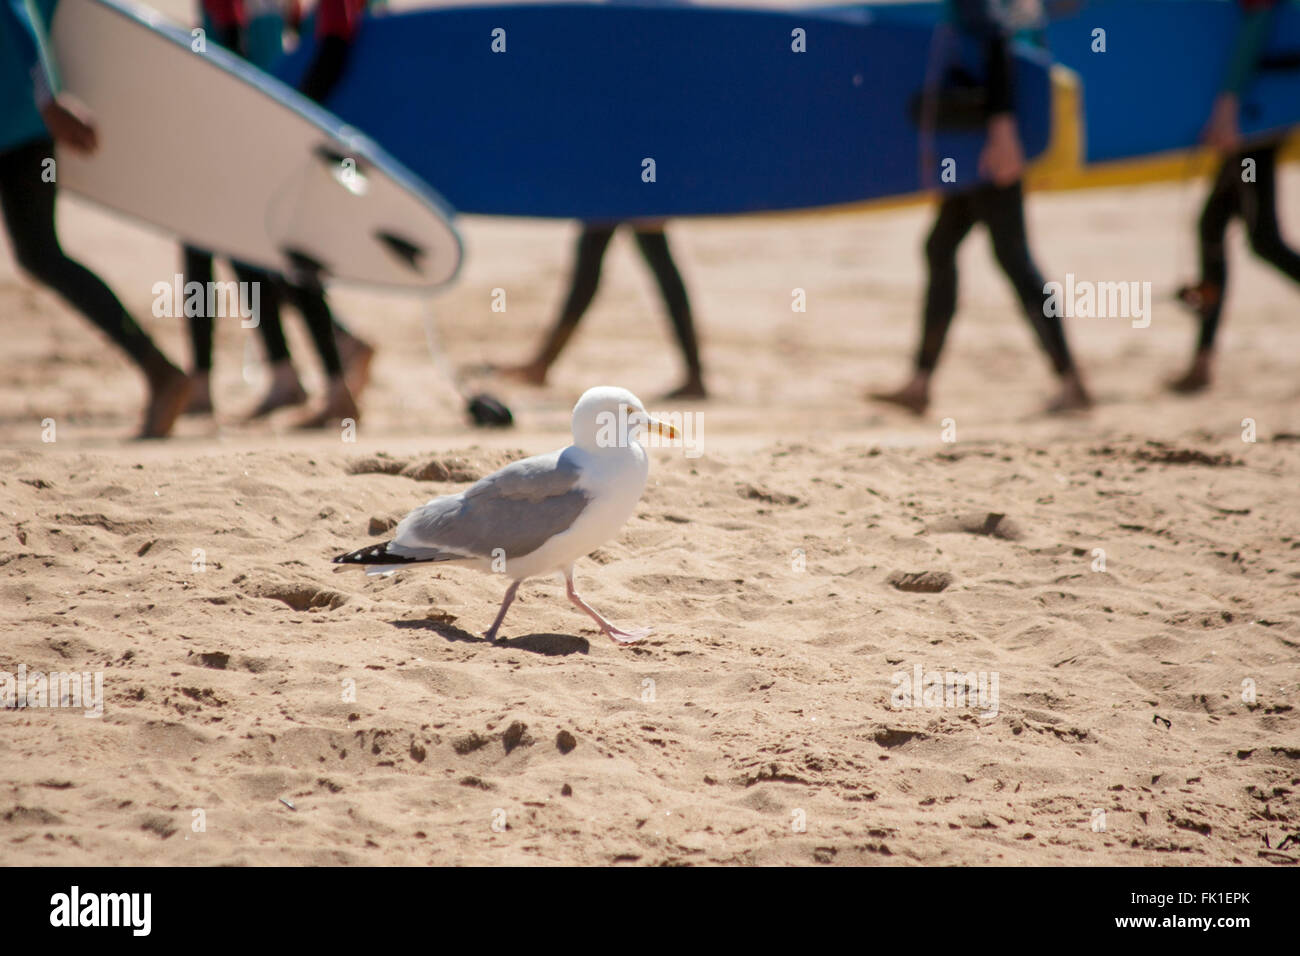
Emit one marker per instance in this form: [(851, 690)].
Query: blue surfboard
[(614, 112), (1152, 89)]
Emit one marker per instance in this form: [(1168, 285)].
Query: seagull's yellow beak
[(661, 428)]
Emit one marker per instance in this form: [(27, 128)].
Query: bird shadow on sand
[(549, 645)]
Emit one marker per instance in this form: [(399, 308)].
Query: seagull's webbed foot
[(620, 636), (615, 634)]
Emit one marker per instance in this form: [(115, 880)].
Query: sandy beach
[(1124, 585)]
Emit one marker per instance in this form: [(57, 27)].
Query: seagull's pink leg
[(615, 634), (491, 634)]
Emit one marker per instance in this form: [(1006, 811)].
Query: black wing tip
[(375, 554), (371, 554)]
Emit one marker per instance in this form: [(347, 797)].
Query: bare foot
[(339, 405), (914, 396), (1195, 379), (1199, 297), (285, 391), (356, 355), (691, 388), (531, 374), (200, 402), (1072, 397), (169, 393)]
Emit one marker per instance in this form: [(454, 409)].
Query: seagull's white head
[(608, 418)]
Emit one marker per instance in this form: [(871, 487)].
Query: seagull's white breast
[(614, 480)]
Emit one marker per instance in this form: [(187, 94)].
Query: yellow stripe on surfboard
[(1061, 166)]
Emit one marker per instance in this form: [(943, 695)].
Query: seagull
[(540, 514)]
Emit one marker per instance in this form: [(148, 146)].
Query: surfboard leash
[(484, 409)]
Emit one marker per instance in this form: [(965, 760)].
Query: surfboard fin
[(333, 157), (405, 250), (348, 171), (304, 264)]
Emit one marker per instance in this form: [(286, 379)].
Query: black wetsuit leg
[(586, 271), (583, 282), (199, 268), (1221, 205), (1256, 203), (326, 68), (269, 294), (196, 266), (1002, 209), (954, 221), (654, 246), (28, 204), (308, 297), (1259, 211)]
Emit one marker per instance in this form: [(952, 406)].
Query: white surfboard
[(206, 146)]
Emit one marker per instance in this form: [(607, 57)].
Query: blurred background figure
[(998, 202), (32, 116), (583, 283), (1234, 193), (255, 29), (346, 358)]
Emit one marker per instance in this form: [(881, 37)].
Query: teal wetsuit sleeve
[(33, 47), (1246, 50)]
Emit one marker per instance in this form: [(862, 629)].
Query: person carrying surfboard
[(583, 282), (253, 28), (33, 114), (998, 202), (337, 23), (255, 35), (1254, 199)]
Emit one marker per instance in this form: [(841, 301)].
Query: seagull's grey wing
[(516, 509)]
